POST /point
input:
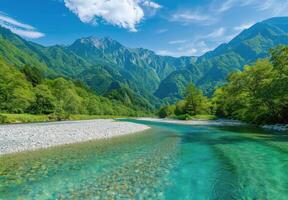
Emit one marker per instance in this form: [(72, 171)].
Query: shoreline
[(16, 138), (216, 122)]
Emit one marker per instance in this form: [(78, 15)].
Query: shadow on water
[(269, 134)]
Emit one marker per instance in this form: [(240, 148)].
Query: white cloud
[(218, 36), (177, 41), (186, 16), (199, 45), (6, 19), (19, 28), (243, 26), (215, 34), (177, 53), (189, 48), (226, 5), (123, 13), (151, 4), (25, 33), (275, 7), (214, 12), (211, 13)]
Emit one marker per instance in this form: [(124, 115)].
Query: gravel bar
[(23, 137)]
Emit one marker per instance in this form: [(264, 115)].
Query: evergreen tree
[(196, 103)]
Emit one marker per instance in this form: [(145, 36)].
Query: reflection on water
[(167, 162)]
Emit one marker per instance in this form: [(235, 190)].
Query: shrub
[(3, 119), (166, 111), (183, 117)]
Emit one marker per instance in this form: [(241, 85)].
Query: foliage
[(195, 103), (3, 119), (180, 107), (45, 102), (156, 79), (15, 92), (28, 118), (204, 117), (259, 94), (146, 80), (211, 69), (25, 118), (166, 111), (32, 75), (26, 91), (183, 117)]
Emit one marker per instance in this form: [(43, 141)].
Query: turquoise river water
[(168, 161)]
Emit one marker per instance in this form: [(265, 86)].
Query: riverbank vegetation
[(27, 91), (194, 106), (258, 94), (30, 118)]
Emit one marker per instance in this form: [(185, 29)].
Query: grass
[(86, 117), (29, 118), (204, 117)]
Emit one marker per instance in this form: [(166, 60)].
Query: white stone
[(22, 137)]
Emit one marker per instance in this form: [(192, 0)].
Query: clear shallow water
[(167, 162)]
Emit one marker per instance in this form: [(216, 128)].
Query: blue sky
[(169, 27)]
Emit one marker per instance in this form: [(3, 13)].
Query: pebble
[(23, 137)]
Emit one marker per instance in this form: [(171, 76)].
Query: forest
[(26, 90), (257, 95)]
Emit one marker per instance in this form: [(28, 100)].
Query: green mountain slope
[(97, 62), (141, 69), (214, 66), (140, 73), (19, 93)]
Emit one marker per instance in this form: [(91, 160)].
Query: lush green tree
[(258, 94), (180, 107), (15, 92), (26, 91), (67, 95), (166, 111), (279, 59), (33, 75), (45, 102), (196, 102)]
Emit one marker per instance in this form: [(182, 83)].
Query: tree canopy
[(258, 94), (194, 103), (27, 91)]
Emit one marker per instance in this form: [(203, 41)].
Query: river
[(169, 161)]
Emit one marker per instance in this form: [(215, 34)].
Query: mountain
[(140, 68), (139, 76), (55, 60), (100, 63), (213, 67)]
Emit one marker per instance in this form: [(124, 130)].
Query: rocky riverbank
[(22, 137)]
